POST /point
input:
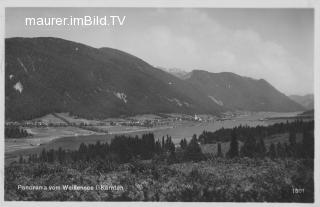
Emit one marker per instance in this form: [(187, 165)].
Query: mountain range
[(306, 101), (45, 75), (235, 92)]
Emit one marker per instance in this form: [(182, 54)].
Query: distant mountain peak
[(179, 73)]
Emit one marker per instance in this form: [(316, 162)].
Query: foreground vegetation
[(152, 170), (221, 180)]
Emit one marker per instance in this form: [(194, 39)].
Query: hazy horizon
[(271, 44)]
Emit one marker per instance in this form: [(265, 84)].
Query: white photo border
[(315, 4)]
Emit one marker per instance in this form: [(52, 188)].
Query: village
[(148, 121)]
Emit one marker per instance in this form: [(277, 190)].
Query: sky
[(271, 44)]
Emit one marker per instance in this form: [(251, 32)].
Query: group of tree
[(191, 151), (254, 147), (124, 149), (15, 132), (243, 132), (121, 149)]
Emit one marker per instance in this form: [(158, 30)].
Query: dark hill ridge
[(236, 92), (55, 75), (45, 75)]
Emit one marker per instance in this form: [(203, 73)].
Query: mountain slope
[(236, 92), (45, 75), (306, 101)]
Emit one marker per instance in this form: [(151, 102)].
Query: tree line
[(256, 148), (123, 149), (242, 132), (15, 132)]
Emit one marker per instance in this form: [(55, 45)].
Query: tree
[(219, 154), (162, 145), (308, 144), (249, 147), (183, 144), (21, 159), (193, 150), (43, 155), (281, 150), (148, 146), (15, 132), (169, 145), (261, 148), (50, 155), (61, 155), (157, 147), (234, 146), (272, 151), (287, 150), (119, 146), (292, 138)]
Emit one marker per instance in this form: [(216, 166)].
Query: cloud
[(190, 39)]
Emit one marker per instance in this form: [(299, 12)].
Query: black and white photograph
[(159, 104)]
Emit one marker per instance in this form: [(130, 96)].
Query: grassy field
[(76, 120), (49, 118), (42, 136), (58, 132), (68, 143)]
